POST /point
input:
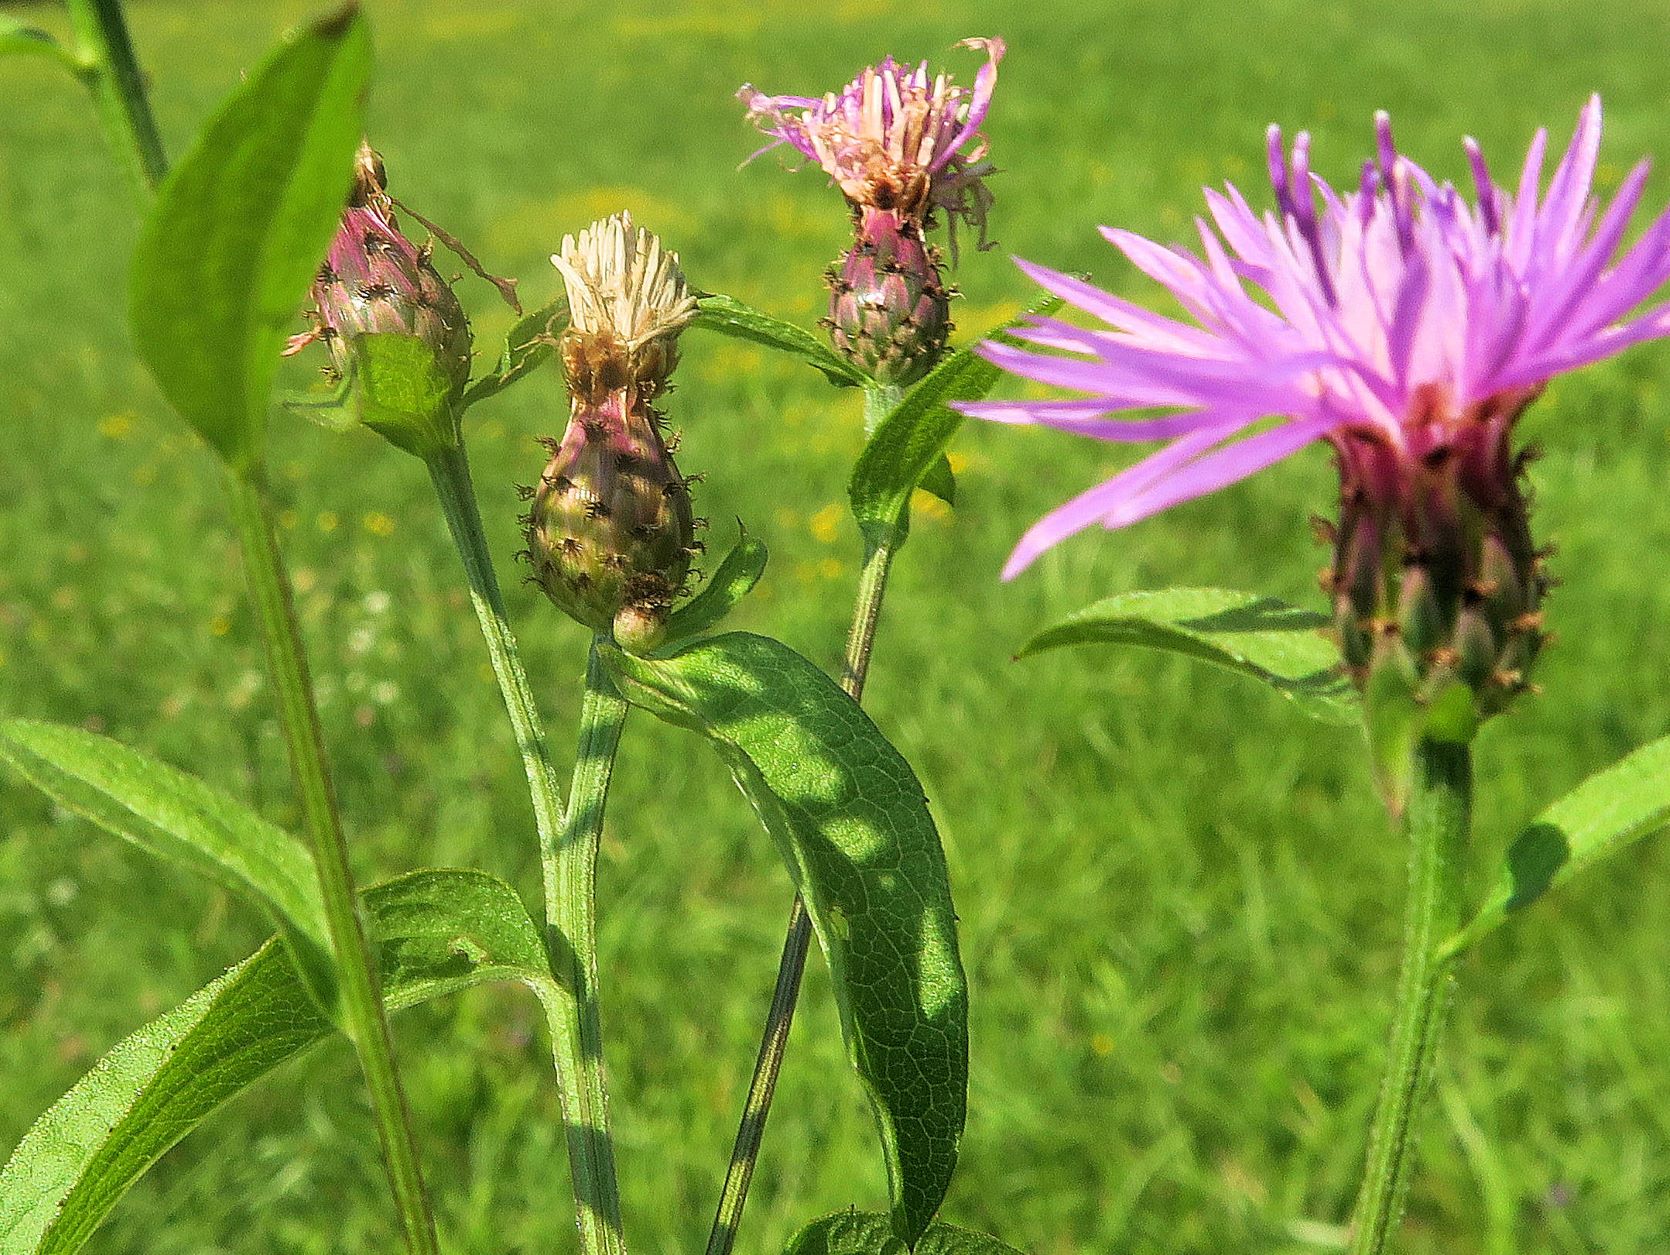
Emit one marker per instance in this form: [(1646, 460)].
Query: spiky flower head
[(894, 138), (375, 280), (1402, 322), (611, 532)]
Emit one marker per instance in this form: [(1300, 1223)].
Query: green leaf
[(733, 581), (1281, 645), (438, 932), (334, 410), (940, 480), (731, 317), (403, 394), (16, 39), (1609, 811), (530, 341), (851, 821), (910, 442), (854, 1232), (180, 818), (238, 228)]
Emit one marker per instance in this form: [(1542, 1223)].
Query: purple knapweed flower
[(894, 138), (1402, 322), (900, 145)]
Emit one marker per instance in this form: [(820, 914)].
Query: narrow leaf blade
[(731, 317), (1608, 812), (851, 821), (1269, 640), (180, 818), (940, 480), (735, 579), (529, 342), (16, 39), (854, 1232), (439, 932), (238, 228), (910, 442)]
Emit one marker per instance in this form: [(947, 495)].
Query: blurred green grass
[(1180, 905)]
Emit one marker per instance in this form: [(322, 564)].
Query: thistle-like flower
[(610, 532), (900, 145), (1403, 324), (374, 279)]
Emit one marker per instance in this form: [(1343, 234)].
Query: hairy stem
[(450, 472), (118, 86), (567, 855), (1440, 808), (360, 1000), (571, 937), (879, 399)]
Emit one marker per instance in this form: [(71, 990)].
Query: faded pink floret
[(894, 138), (1398, 313)]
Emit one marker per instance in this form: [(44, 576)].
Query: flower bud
[(611, 532), (889, 311), (374, 279), (1433, 551)]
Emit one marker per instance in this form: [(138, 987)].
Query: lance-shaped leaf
[(1269, 640), (1609, 811), (851, 821), (529, 342), (179, 817), (16, 39), (238, 229), (401, 392), (731, 317), (907, 448), (854, 1232), (722, 590), (438, 932)]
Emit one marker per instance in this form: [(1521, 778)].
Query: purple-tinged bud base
[(376, 280), (889, 310), (611, 532), (1435, 574)]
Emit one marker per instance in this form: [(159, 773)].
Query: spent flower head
[(894, 138), (626, 292), (610, 531), (1401, 321), (900, 145)]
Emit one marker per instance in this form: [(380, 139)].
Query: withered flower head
[(610, 532)]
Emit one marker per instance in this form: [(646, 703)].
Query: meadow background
[(1180, 902)]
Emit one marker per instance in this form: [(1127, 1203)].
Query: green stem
[(1440, 807), (571, 936), (361, 1004), (567, 857), (450, 472), (119, 88), (774, 1043), (125, 113)]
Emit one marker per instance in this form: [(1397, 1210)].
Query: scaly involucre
[(1401, 317)]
